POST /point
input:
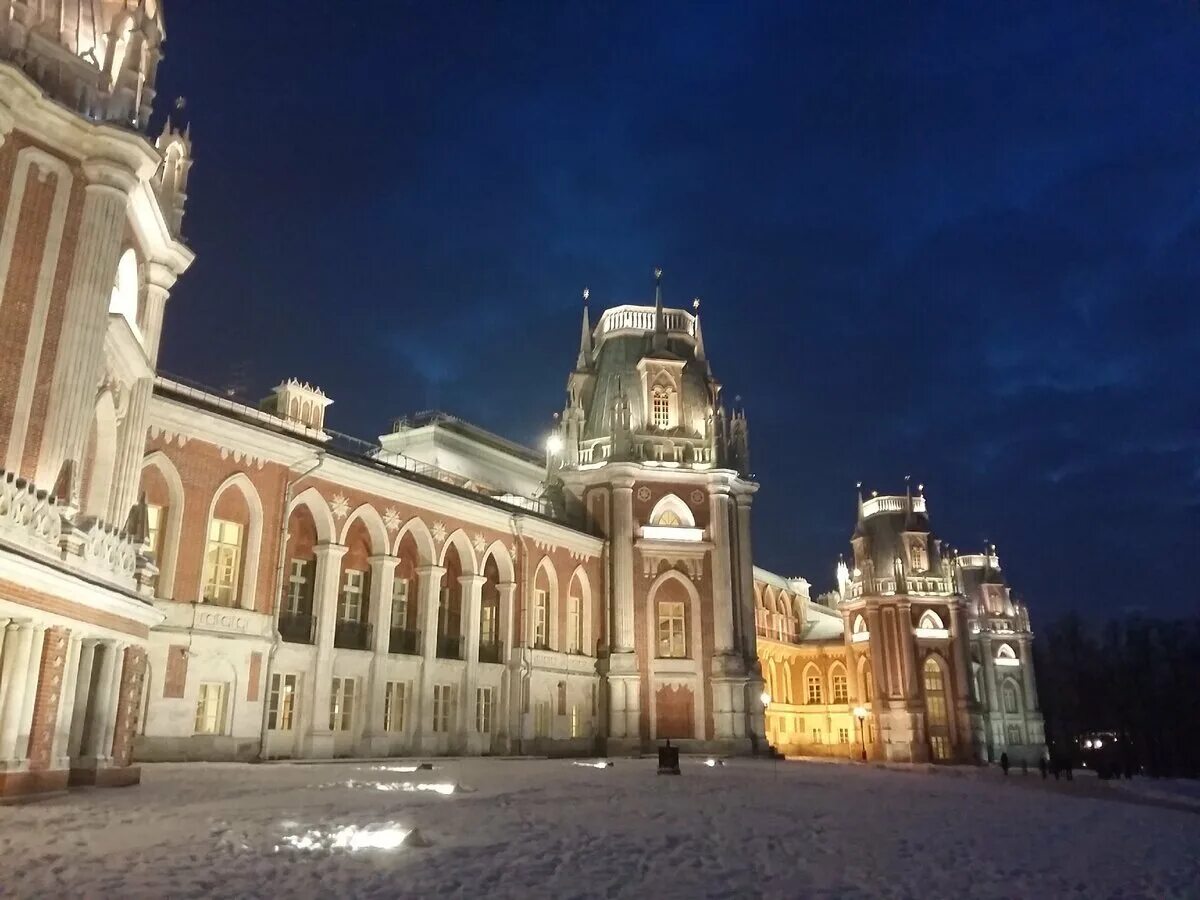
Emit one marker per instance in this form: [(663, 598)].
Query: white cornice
[(47, 579)]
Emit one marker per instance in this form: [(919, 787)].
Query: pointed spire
[(660, 321), (699, 335), (585, 337)]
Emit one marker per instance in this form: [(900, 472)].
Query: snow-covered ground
[(522, 828)]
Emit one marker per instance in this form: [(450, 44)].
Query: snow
[(550, 828)]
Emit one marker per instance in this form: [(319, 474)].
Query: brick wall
[(175, 678), (128, 703), (46, 701)]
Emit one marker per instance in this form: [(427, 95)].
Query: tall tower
[(1001, 660), (649, 460), (90, 211), (906, 634)]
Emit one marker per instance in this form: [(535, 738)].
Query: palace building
[(186, 575)]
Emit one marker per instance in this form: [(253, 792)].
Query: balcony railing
[(491, 651), (297, 628), (450, 646), (351, 635), (404, 640)]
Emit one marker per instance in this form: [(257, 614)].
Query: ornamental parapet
[(38, 523)]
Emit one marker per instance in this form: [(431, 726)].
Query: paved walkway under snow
[(522, 828)]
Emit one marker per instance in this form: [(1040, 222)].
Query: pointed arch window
[(1006, 656), (660, 407), (859, 631), (931, 625), (1012, 703), (672, 629), (935, 709), (222, 562)]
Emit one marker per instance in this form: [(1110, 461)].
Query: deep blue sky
[(959, 241)]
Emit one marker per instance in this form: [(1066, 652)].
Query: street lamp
[(765, 698), (554, 444), (860, 713)]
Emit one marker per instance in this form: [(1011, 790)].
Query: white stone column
[(112, 697), (621, 543), (1025, 643), (83, 690), (98, 704), (33, 673), (507, 704), (18, 643), (60, 757), (80, 354), (429, 585), (8, 643), (472, 594), (159, 281), (744, 597), (325, 592), (722, 571), (383, 576)]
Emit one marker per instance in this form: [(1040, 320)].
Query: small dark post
[(668, 759)]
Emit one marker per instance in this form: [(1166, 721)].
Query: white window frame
[(541, 618), (211, 702), (395, 706), (350, 597), (296, 586), (483, 710), (574, 624), (671, 629), (400, 602), (443, 708), (223, 562), (282, 701), (342, 696)]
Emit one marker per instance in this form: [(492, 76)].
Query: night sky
[(959, 243)]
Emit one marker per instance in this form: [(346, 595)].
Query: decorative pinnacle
[(586, 294), (696, 304), (657, 273)]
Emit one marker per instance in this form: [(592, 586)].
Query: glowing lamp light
[(554, 444), (1087, 744), (765, 698), (860, 712), (1097, 744)]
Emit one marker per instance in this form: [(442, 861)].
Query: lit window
[(843, 735), (395, 704), (816, 735), (341, 705), (281, 708), (350, 599), (1014, 735), (576, 723), (935, 709), (222, 560), (814, 696), (154, 520), (574, 625), (672, 636), (917, 554), (400, 603), (483, 710), (669, 518), (210, 708), (841, 691), (562, 698), (541, 618), (443, 707), (660, 408)]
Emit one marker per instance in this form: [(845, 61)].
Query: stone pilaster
[(79, 361), (325, 591), (472, 594), (376, 740), (429, 585)]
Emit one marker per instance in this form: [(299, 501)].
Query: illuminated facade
[(185, 575), (89, 250)]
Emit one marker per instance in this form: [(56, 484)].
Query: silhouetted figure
[(1004, 763), (1042, 766), (1024, 766)]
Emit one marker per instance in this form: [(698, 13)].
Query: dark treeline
[(1137, 677)]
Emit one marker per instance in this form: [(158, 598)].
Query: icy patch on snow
[(595, 763), (381, 836)]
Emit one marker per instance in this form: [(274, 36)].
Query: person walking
[(1004, 763)]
